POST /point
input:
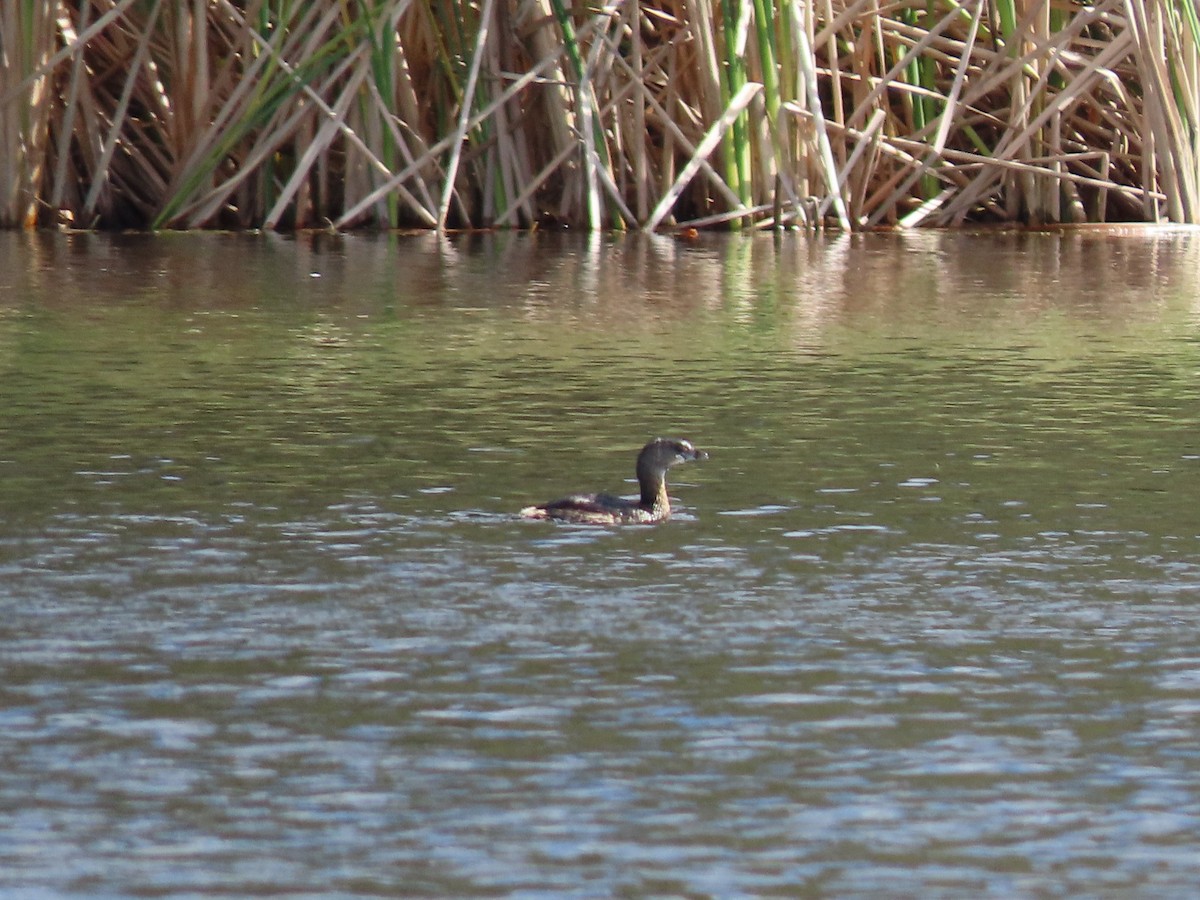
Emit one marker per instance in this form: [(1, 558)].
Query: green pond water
[(925, 624)]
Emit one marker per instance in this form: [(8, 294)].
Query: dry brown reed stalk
[(615, 114), (28, 86)]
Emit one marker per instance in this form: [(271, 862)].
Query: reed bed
[(613, 114)]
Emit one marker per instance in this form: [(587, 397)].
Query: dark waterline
[(924, 624)]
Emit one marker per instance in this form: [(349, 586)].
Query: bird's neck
[(654, 493)]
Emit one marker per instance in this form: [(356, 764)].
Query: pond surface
[(927, 623)]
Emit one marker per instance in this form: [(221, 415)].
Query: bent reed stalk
[(614, 114)]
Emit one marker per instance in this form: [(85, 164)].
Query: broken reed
[(625, 114)]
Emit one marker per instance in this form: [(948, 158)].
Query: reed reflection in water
[(923, 624)]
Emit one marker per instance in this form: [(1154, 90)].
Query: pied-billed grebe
[(604, 509)]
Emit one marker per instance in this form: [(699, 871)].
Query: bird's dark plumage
[(604, 509)]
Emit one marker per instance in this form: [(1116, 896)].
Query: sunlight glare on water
[(925, 624)]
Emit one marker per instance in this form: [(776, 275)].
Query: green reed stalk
[(1179, 113), (922, 71), (764, 19), (1185, 79), (384, 42), (584, 95), (736, 148), (1006, 11), (785, 52), (466, 29), (788, 89)]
